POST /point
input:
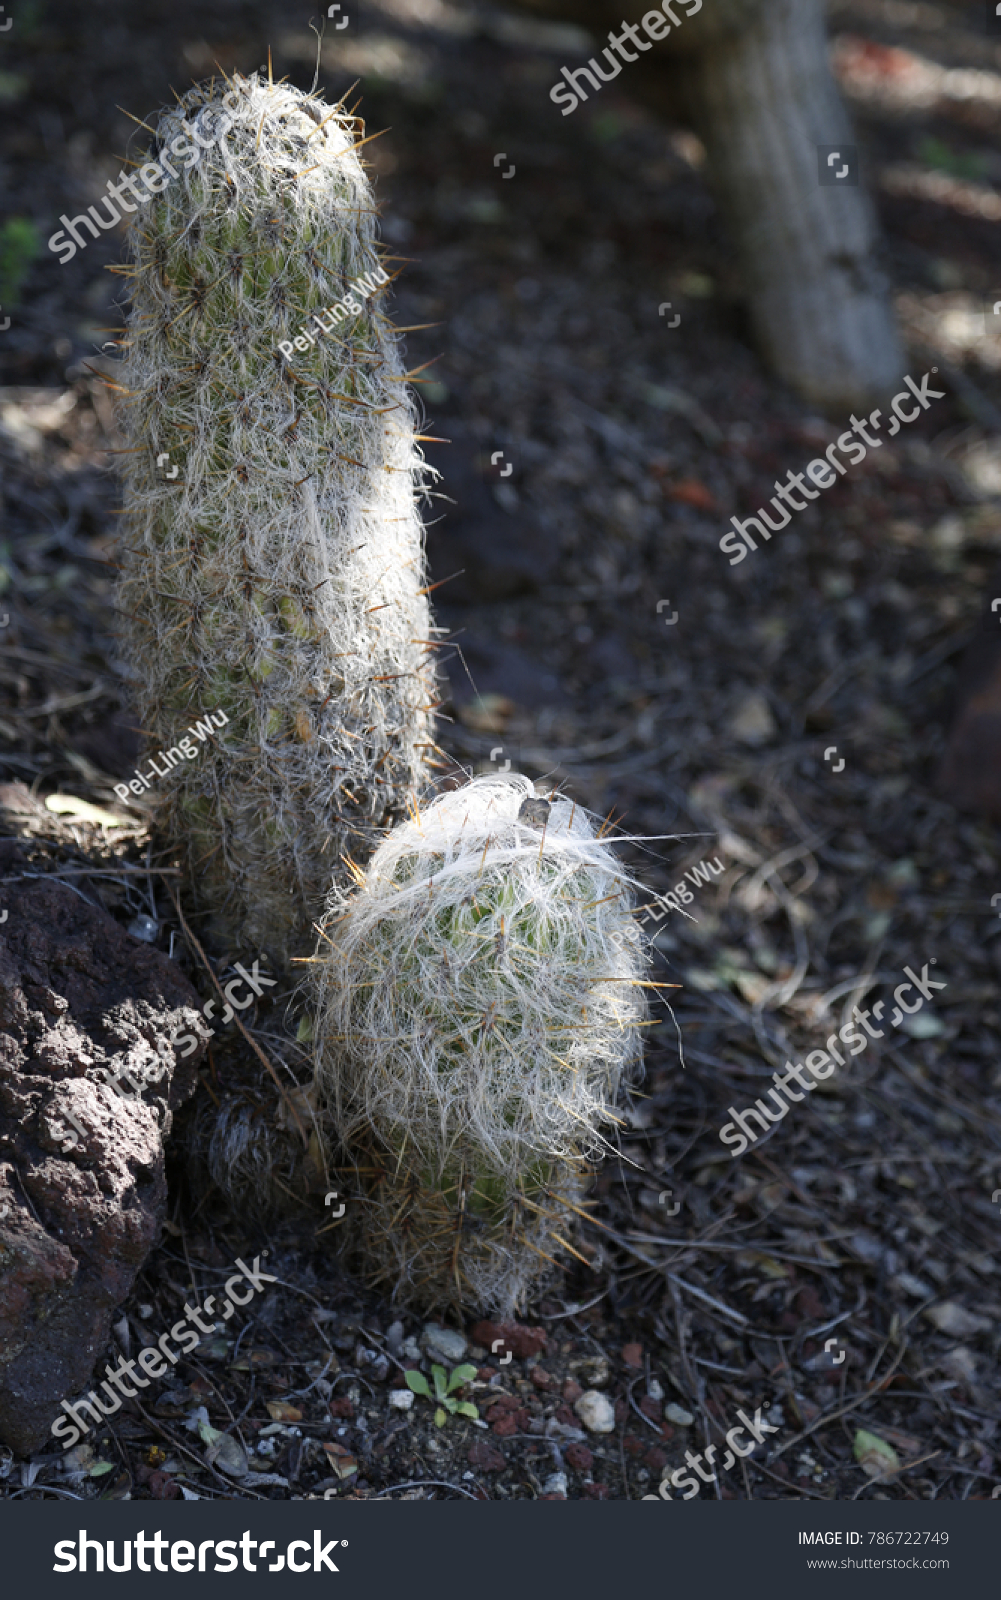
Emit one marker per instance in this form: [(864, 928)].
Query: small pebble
[(447, 1342), (596, 1411), (679, 1415), (534, 813), (401, 1399), (556, 1484)]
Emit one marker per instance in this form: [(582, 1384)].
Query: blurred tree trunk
[(752, 78)]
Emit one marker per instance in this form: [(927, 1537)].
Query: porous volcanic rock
[(79, 1212)]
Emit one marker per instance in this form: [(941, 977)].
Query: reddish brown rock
[(502, 1403), (342, 1407), (809, 1304), (486, 1456), (508, 1416), (594, 1491), (572, 1391), (578, 1456), (163, 1487), (651, 1408), (518, 1337), (632, 1355), (80, 1209), (160, 1484)]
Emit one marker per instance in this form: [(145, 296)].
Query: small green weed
[(443, 1390)]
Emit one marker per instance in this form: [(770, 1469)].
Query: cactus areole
[(279, 574)]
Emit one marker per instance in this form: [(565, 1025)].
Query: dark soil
[(865, 1220)]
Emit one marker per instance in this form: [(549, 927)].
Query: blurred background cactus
[(481, 1001), (279, 574)]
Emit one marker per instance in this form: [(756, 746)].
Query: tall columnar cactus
[(480, 1005), (278, 575)]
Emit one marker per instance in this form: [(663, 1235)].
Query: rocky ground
[(841, 1277)]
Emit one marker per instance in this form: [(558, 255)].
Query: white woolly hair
[(481, 1003), (280, 576)]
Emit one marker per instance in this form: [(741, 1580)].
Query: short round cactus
[(273, 561), (251, 1149), (481, 997)]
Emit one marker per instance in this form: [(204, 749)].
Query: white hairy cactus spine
[(481, 1001), (279, 576)]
